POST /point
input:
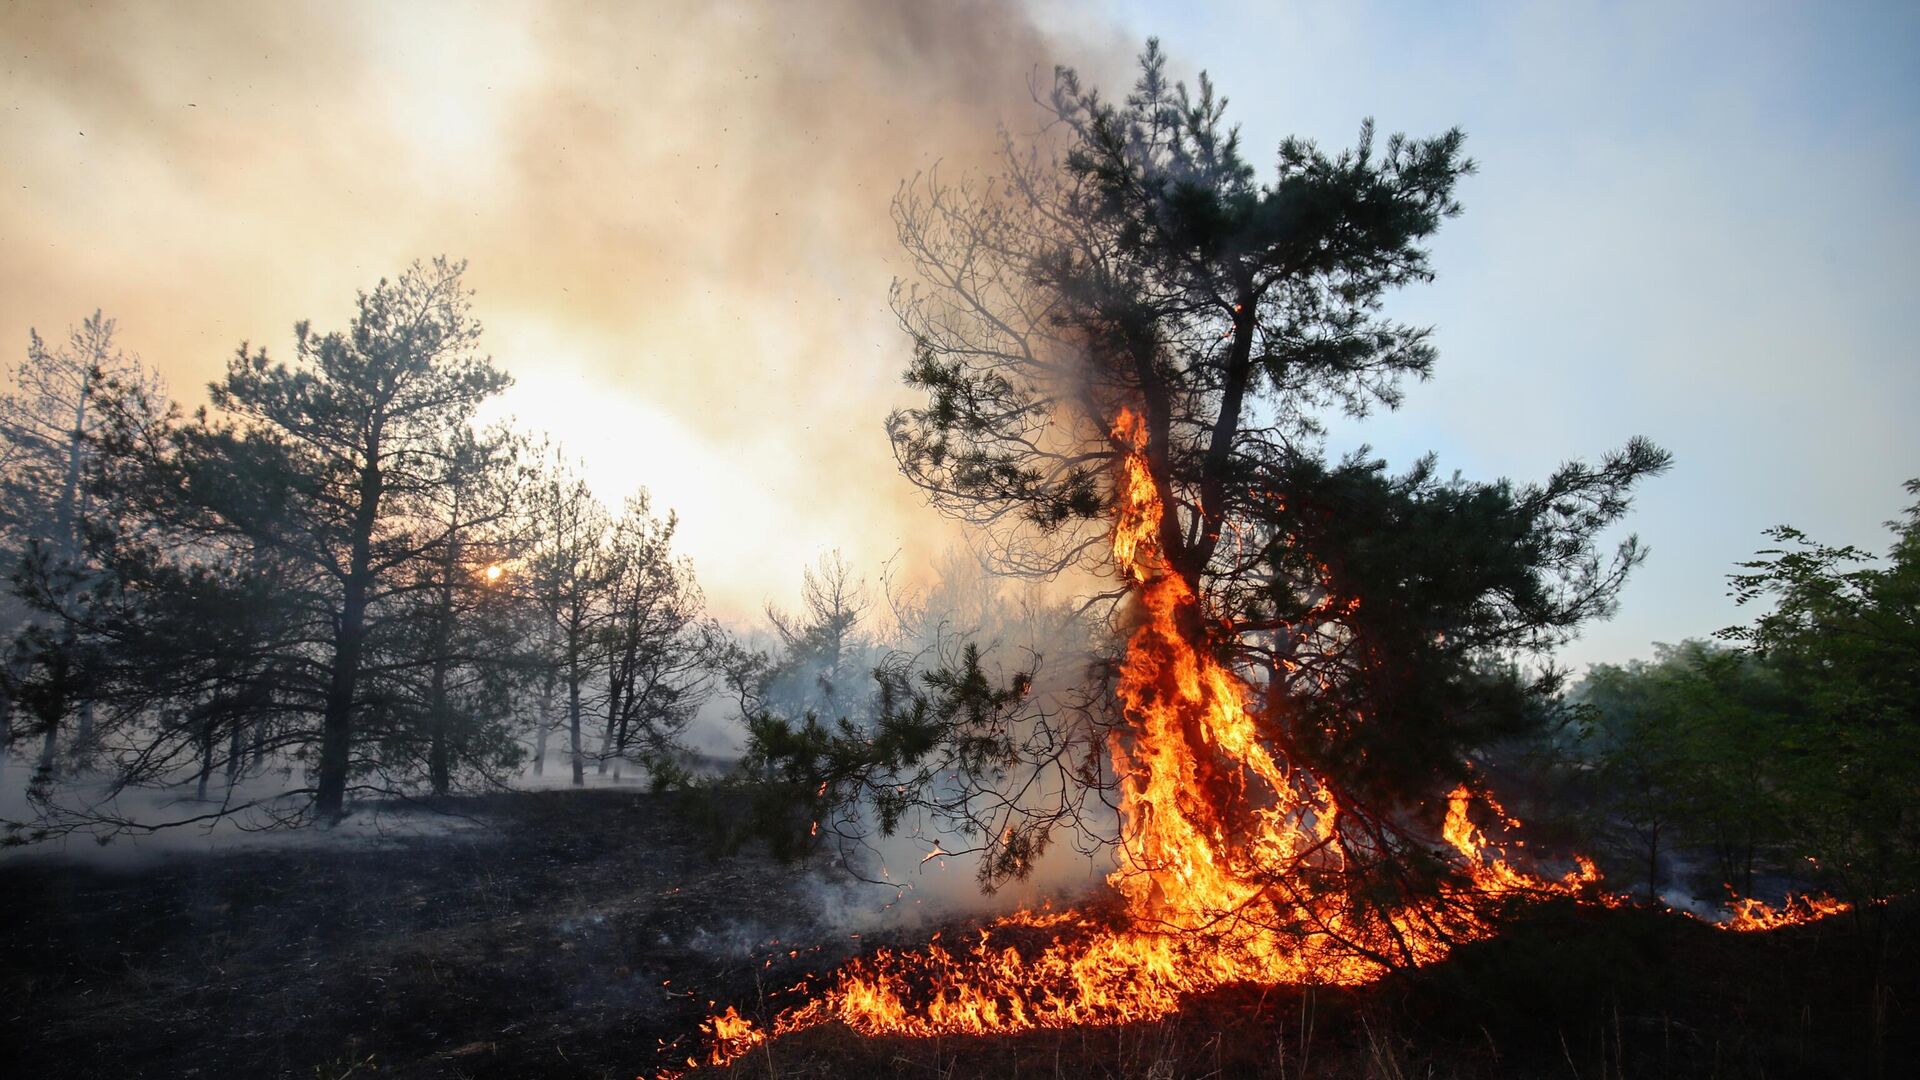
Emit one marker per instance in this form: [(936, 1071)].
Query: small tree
[(1643, 775), (826, 659), (457, 653), (656, 640), (1845, 638), (50, 428), (568, 576), (838, 725), (1684, 753)]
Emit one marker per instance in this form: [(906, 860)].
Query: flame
[(729, 1036), (1750, 915), (1231, 860)]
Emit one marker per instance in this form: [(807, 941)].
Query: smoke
[(677, 217), (98, 843), (928, 872)]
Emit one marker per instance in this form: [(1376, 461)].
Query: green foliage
[(1398, 664), (1686, 755), (1145, 266), (1844, 637), (931, 740), (1796, 754), (62, 401)]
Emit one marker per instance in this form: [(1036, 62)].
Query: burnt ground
[(577, 931)]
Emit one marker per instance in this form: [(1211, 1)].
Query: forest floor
[(572, 934)]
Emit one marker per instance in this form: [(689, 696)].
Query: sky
[(1691, 222)]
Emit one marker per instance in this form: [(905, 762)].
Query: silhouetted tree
[(655, 639), (569, 574), (330, 474), (458, 655)]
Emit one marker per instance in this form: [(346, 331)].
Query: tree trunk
[(349, 637), (6, 728), (67, 514), (83, 735), (1746, 867), (440, 715), (439, 711), (609, 746), (257, 760), (439, 754), (621, 736), (236, 749), (206, 758), (573, 722), (543, 728), (52, 712), (47, 746), (1653, 866), (336, 724), (1239, 371)]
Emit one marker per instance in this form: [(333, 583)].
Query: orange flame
[(1230, 869), (1750, 915)]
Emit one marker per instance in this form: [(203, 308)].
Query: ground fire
[(1230, 863)]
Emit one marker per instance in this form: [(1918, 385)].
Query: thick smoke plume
[(677, 218)]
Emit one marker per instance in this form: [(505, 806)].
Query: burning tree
[(1128, 345), (1142, 297)]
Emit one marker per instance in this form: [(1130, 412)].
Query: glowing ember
[(1231, 863)]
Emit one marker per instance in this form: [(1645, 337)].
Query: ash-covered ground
[(568, 933), (555, 934)]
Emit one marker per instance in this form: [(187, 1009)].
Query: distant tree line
[(327, 572), (1787, 753)]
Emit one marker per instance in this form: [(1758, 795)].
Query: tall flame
[(1231, 867)]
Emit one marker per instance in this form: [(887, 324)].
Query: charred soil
[(573, 933)]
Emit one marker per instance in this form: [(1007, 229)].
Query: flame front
[(1751, 915), (1231, 870)]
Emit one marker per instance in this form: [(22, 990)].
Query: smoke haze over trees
[(329, 572), (1011, 412)]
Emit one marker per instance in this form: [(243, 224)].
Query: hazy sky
[(1696, 226)]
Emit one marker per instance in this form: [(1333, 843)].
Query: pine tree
[(1132, 260), (331, 474)]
